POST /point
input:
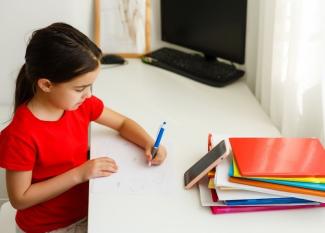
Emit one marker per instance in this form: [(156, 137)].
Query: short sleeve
[(16, 153), (94, 107)]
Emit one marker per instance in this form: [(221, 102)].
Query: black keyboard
[(194, 66)]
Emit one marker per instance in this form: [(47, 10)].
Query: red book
[(240, 209), (279, 157)]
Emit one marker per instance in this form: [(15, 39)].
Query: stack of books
[(266, 174)]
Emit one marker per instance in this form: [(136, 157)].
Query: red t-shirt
[(50, 148)]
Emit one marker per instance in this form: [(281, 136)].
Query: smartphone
[(205, 164)]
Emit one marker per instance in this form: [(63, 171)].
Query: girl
[(44, 149)]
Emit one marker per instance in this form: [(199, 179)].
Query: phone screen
[(205, 162)]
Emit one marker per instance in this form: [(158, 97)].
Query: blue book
[(269, 201)]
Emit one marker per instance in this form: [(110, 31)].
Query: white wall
[(252, 42), (5, 112), (18, 18)]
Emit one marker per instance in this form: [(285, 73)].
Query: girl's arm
[(133, 132), (23, 194)]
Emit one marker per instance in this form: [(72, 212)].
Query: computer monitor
[(217, 28)]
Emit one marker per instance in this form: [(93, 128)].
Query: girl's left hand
[(160, 156)]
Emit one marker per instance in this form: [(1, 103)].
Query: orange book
[(212, 173), (278, 187), (279, 157)]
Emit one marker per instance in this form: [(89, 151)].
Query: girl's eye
[(79, 90)]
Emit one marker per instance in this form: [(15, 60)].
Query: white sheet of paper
[(206, 198), (221, 179), (205, 194), (123, 26), (134, 175)]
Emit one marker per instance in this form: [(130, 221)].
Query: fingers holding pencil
[(159, 158)]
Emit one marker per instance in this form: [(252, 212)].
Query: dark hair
[(59, 53)]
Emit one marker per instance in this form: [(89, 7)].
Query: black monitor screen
[(216, 28)]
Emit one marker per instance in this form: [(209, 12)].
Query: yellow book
[(211, 183)]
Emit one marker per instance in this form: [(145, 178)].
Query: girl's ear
[(44, 84)]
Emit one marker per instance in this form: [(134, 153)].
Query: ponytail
[(24, 88), (58, 53)]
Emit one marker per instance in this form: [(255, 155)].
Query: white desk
[(151, 95)]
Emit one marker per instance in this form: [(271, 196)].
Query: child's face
[(70, 95)]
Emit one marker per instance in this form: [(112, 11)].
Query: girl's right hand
[(94, 168)]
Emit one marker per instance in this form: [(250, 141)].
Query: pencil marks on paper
[(134, 175)]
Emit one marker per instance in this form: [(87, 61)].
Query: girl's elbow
[(17, 204)]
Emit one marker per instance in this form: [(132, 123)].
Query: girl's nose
[(87, 93)]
